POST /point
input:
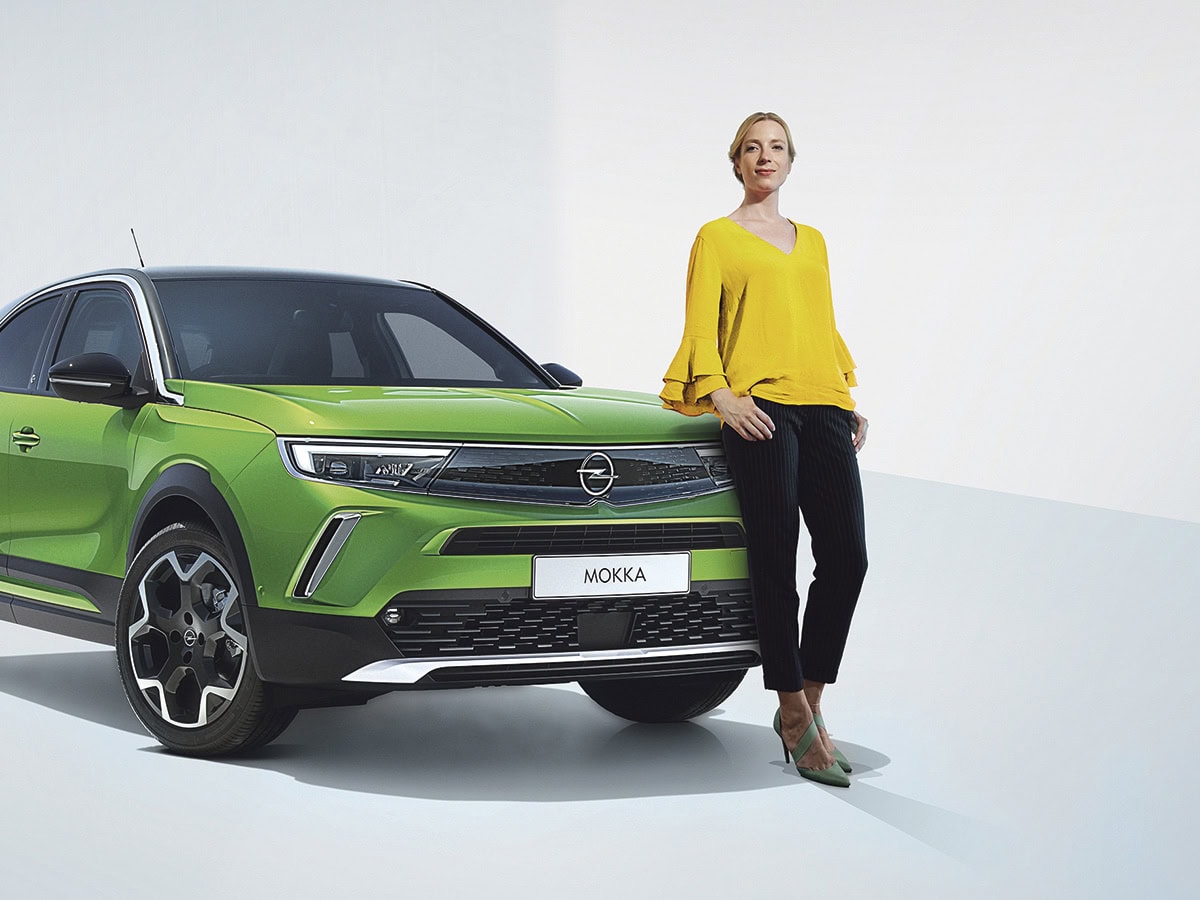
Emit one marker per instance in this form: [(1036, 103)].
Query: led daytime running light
[(390, 467)]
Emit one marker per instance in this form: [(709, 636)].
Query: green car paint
[(454, 414), (336, 504), (44, 594)]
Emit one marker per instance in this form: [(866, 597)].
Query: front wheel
[(183, 650), (668, 698)]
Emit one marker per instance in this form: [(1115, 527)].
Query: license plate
[(611, 576)]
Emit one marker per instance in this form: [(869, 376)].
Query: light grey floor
[(1018, 697)]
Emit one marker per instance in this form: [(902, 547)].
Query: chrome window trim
[(410, 671), (145, 323)]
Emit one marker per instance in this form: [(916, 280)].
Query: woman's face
[(763, 159)]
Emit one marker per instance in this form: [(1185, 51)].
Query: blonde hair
[(740, 137)]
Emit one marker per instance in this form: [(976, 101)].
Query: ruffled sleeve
[(845, 360), (697, 370)]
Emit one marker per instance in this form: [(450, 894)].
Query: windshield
[(265, 331)]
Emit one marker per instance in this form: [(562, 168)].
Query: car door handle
[(26, 439)]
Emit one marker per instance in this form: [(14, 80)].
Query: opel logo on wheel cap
[(597, 474)]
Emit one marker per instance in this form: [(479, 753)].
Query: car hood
[(585, 416)]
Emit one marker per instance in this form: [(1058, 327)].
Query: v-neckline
[(795, 236)]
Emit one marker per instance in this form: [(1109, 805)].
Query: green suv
[(274, 490)]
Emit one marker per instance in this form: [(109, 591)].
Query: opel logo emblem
[(190, 637), (597, 474)]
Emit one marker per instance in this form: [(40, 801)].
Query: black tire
[(183, 650), (670, 698)]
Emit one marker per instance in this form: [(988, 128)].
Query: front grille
[(560, 475), (577, 540), (424, 625), (565, 472)]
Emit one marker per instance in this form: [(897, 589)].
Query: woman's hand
[(743, 415), (860, 433)]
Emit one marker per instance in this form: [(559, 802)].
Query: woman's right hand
[(742, 415)]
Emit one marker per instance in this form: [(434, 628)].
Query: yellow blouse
[(759, 321)]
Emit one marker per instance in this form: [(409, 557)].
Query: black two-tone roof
[(150, 274)]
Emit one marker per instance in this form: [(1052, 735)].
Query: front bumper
[(710, 633), (358, 588)]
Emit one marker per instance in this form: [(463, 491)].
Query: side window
[(20, 340), (102, 321)]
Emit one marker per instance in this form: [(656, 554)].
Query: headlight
[(714, 462), (389, 467)]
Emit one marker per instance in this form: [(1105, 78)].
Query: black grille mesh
[(568, 540), (430, 628), (565, 472), (559, 475)]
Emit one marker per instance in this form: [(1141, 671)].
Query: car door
[(68, 483), (22, 344)]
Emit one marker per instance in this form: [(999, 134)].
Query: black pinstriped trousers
[(809, 467)]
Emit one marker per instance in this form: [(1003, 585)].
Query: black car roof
[(214, 273), (173, 273)]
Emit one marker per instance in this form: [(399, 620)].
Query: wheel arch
[(186, 493)]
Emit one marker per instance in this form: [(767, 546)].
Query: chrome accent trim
[(345, 525), (81, 382), (604, 470), (410, 671), (454, 445), (145, 322)]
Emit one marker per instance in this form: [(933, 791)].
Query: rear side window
[(20, 340)]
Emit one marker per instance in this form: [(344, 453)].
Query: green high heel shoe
[(833, 775), (837, 754)]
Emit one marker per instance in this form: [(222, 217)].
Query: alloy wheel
[(187, 643)]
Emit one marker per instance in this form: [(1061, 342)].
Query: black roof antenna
[(141, 263)]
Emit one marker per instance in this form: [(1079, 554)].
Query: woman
[(761, 350)]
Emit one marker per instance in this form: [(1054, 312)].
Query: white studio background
[(403, 140), (1004, 189), (1008, 196)]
